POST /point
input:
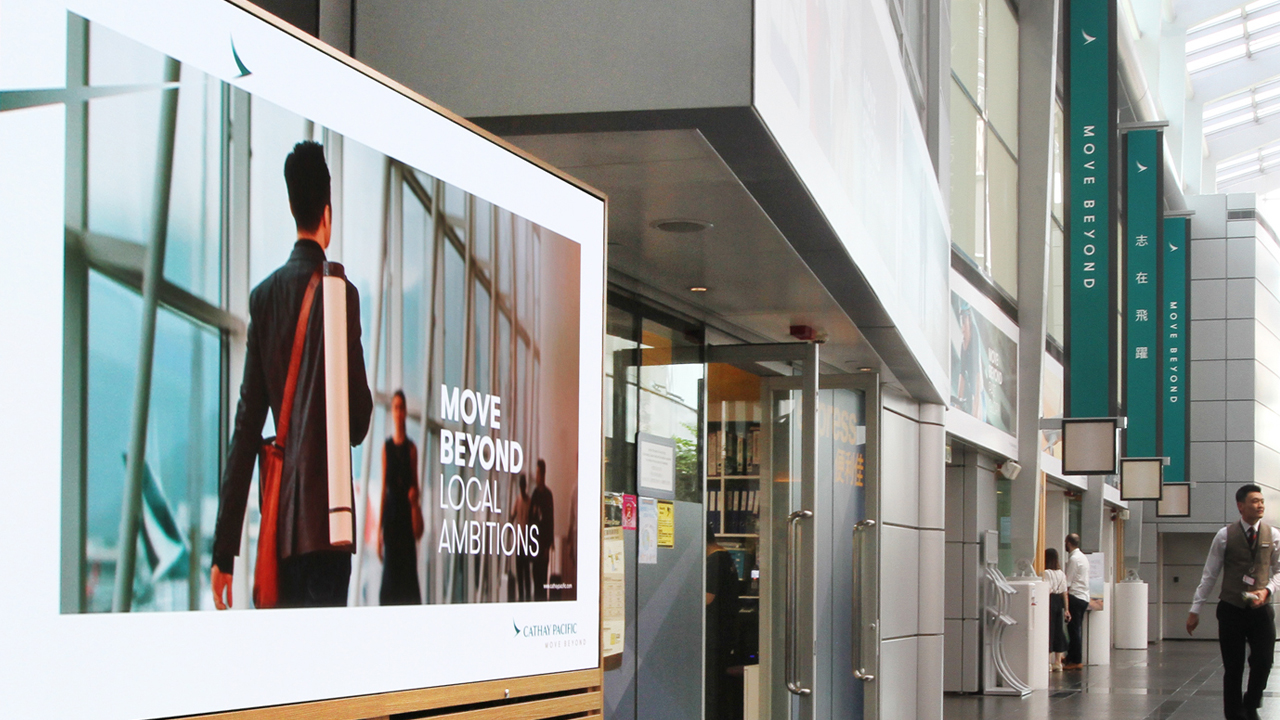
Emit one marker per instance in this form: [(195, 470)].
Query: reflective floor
[(1169, 681)]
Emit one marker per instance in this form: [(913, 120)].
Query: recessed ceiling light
[(697, 288), (680, 225)]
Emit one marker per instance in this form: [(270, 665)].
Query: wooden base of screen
[(562, 695)]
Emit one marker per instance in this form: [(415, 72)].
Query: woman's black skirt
[(1057, 628)]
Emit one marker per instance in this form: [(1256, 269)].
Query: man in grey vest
[(1243, 553)]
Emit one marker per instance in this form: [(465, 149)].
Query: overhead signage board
[(476, 278), (1175, 371), (1090, 295), (1143, 229)]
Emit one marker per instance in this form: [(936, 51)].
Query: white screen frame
[(166, 664)]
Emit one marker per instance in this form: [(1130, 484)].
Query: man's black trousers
[(1238, 627), (1075, 629), (317, 579)]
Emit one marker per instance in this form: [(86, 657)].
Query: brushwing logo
[(244, 71), (551, 635), (549, 630)]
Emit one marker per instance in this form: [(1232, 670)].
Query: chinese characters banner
[(1090, 317), (1174, 294), (1143, 169)]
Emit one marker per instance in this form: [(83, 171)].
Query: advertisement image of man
[(1243, 553), (312, 572), (542, 514), (1077, 570)]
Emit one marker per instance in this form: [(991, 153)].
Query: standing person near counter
[(1077, 572), (1243, 553), (1057, 608)]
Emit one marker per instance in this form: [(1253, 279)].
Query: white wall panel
[(897, 681), (933, 491), (929, 659), (953, 656), (899, 581), (933, 585), (899, 470)]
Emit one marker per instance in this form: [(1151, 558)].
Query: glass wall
[(653, 384), (123, 128), (1056, 269), (458, 307), (984, 137)]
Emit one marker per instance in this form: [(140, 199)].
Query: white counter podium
[(1131, 615), (1027, 643)]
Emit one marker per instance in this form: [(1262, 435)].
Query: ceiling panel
[(755, 279)]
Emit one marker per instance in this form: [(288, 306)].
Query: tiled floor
[(1170, 681)]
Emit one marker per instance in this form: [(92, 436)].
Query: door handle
[(859, 639), (793, 681)]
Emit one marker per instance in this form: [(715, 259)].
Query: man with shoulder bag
[(302, 559)]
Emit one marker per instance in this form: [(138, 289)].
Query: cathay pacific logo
[(545, 631), (244, 71), (1087, 37)]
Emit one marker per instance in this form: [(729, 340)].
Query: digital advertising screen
[(302, 376)]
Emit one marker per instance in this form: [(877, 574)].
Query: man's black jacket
[(304, 491)]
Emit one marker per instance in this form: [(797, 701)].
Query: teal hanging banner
[(1090, 287), (1175, 293), (1143, 172)]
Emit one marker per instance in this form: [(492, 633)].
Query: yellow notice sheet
[(613, 603), (666, 524)]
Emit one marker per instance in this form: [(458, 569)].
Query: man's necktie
[(1250, 534)]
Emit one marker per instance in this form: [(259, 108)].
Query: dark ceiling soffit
[(739, 136), (302, 14)]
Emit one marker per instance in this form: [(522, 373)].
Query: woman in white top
[(1057, 608)]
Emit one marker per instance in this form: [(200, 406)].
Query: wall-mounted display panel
[(142, 156), (983, 405)]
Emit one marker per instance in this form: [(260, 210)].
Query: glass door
[(790, 568)]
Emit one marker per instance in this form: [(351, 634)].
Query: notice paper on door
[(656, 460), (613, 620), (648, 549), (666, 524)]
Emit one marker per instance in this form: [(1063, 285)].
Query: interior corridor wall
[(1183, 557), (912, 557), (970, 512), (1234, 393)]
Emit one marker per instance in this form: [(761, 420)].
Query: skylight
[(1242, 108), (1234, 35), (1244, 167)]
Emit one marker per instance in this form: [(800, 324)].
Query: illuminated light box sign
[(1143, 240), (155, 261), (1090, 250), (1175, 410)]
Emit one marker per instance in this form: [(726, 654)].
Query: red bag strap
[(295, 359)]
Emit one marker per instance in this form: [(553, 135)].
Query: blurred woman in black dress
[(401, 519)]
